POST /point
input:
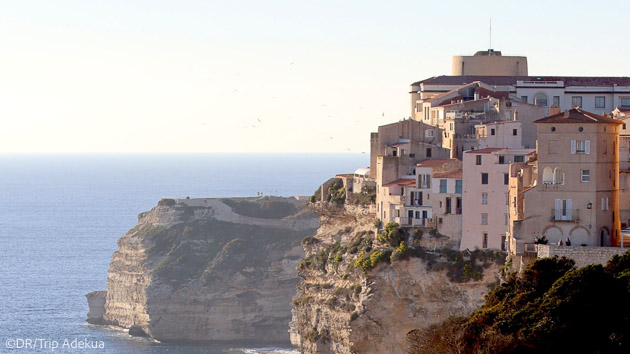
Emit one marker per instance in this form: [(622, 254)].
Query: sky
[(261, 76)]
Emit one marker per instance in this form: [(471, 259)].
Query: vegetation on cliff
[(552, 307)]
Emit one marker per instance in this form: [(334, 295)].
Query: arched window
[(540, 99), (547, 175), (558, 176)]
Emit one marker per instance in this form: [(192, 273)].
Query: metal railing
[(565, 215)]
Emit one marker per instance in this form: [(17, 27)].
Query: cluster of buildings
[(493, 158)]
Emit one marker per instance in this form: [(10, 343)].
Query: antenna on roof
[(490, 47)]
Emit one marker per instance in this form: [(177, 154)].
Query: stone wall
[(581, 255)]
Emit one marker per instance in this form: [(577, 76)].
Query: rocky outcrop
[(96, 306), (360, 296), (209, 269)]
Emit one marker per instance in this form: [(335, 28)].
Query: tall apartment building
[(485, 196), (571, 189)]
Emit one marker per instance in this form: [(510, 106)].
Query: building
[(489, 62), (570, 189), (485, 196), (594, 94), (395, 150)]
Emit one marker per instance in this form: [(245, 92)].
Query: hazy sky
[(262, 76)]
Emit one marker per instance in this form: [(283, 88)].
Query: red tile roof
[(433, 162), (577, 116), (511, 80), (484, 151), (401, 182), (449, 174)]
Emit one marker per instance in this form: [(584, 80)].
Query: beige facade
[(395, 151), (489, 62), (571, 189), (485, 196)]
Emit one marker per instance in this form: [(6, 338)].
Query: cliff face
[(209, 269), (343, 309)]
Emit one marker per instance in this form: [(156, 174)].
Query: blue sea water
[(61, 215)]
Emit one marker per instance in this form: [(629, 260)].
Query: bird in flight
[(259, 120)]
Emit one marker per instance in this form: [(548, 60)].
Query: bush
[(392, 235), (551, 308), (377, 223), (166, 202), (400, 252)]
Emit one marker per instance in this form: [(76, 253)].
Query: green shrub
[(377, 223)]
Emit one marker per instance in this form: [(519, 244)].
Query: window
[(492, 132), (458, 206), (395, 153), (501, 159), (426, 181), (547, 175), (540, 100), (448, 206), (580, 147), (507, 198), (563, 211), (576, 101), (625, 101), (428, 152), (586, 176), (600, 102), (515, 132), (605, 147), (556, 101), (484, 178), (429, 133), (506, 178), (478, 160), (484, 218), (442, 186), (558, 176), (484, 242), (417, 215), (484, 198), (524, 99), (507, 218), (519, 158), (458, 186), (604, 203)]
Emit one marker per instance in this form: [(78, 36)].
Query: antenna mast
[(490, 34)]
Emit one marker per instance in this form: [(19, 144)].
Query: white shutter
[(587, 147), (572, 147), (558, 213), (569, 209)]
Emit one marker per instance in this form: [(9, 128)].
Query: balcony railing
[(565, 215)]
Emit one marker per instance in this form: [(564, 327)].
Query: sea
[(61, 215)]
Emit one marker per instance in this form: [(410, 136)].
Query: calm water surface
[(60, 217)]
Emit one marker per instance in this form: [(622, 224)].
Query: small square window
[(515, 132), (576, 101), (484, 219), (625, 102), (492, 132), (586, 176), (600, 102), (524, 99), (484, 178), (556, 101)]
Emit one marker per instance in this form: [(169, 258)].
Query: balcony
[(571, 215)]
